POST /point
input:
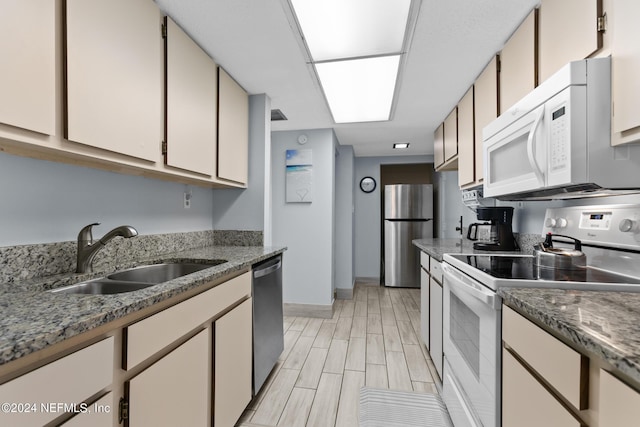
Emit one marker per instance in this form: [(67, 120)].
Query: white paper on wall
[(299, 176)]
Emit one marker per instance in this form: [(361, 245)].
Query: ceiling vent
[(277, 115)]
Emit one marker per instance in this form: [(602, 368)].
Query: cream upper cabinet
[(191, 104), (619, 403), (438, 146), (174, 391), (625, 54), (233, 364), (486, 109), (28, 71), (114, 76), (466, 140), (517, 64), (451, 135), (567, 32), (233, 130)]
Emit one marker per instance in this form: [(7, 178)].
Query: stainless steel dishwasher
[(268, 335)]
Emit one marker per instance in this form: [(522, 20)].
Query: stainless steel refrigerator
[(408, 215)]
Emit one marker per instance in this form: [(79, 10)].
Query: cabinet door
[(619, 403), (233, 365), (174, 391), (233, 130), (451, 135), (517, 64), (435, 323), (526, 403), (466, 140), (625, 59), (191, 103), (485, 109), (438, 146), (101, 414), (28, 71), (424, 307), (567, 32), (114, 76)]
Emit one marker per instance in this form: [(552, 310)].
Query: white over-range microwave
[(556, 141)]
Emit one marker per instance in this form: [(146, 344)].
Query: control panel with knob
[(627, 225)]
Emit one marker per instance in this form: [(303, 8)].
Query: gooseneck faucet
[(87, 249)]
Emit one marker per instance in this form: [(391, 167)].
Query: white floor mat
[(392, 408)]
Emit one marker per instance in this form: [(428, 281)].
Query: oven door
[(471, 340)]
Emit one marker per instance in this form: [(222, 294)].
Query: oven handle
[(471, 287), (530, 146)]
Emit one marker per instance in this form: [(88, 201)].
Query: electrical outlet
[(187, 200)]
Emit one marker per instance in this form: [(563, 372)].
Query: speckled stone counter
[(601, 324), (32, 318), (436, 248)]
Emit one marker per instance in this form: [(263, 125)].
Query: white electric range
[(472, 331)]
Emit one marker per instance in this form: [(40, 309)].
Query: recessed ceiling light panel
[(359, 90), (401, 145), (335, 29)]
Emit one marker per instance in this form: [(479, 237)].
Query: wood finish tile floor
[(372, 340)]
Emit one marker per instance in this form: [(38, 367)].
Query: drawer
[(152, 334), (436, 270), (424, 260), (71, 379), (526, 403), (562, 367)]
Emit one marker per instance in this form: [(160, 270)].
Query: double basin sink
[(136, 278)]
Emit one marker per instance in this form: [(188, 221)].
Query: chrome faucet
[(87, 249)]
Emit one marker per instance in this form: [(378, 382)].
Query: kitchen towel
[(392, 408)]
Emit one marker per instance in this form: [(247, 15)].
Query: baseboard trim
[(344, 293), (368, 281), (308, 310)]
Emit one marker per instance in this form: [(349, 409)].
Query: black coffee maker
[(500, 219)]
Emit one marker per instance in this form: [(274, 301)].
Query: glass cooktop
[(523, 268)]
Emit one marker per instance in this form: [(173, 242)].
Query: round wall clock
[(367, 184)]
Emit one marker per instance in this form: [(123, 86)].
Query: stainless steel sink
[(102, 287), (159, 273), (136, 278)]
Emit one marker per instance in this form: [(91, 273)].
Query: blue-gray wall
[(307, 229), (44, 202), (345, 218)]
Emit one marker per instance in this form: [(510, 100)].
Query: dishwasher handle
[(261, 272)]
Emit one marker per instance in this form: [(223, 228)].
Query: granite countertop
[(436, 248), (33, 318), (601, 324)]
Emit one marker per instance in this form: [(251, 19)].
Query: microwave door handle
[(531, 146)]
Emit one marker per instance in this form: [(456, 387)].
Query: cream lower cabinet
[(69, 380), (526, 403), (232, 365), (435, 316), (424, 298), (99, 414), (174, 390), (619, 403)]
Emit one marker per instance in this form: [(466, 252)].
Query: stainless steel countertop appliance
[(268, 332), (606, 258)]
